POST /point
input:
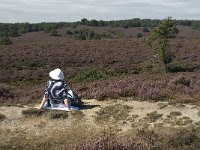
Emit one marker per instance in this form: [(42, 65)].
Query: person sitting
[(56, 92)]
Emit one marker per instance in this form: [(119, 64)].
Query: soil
[(16, 123)]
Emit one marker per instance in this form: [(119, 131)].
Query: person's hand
[(38, 107)]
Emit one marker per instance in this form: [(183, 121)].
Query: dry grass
[(77, 114), (54, 138)]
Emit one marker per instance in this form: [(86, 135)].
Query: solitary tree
[(159, 40)]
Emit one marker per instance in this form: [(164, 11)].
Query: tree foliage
[(159, 40)]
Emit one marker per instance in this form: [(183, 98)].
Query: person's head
[(56, 74)]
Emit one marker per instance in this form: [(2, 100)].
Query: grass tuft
[(175, 113), (2, 117), (153, 116), (33, 112), (57, 114)]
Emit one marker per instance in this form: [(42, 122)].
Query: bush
[(182, 80), (5, 41), (178, 68), (139, 35), (89, 76), (53, 32), (69, 32), (6, 92), (145, 29)]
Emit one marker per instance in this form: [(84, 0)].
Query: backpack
[(74, 99)]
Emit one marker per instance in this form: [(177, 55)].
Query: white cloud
[(73, 10)]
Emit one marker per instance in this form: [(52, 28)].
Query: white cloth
[(60, 107)]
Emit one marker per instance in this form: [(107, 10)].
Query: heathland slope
[(100, 68), (132, 103)]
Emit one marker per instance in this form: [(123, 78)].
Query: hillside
[(129, 102), (112, 62)]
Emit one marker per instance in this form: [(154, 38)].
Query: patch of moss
[(173, 120), (198, 113), (2, 117), (175, 113), (153, 116), (162, 105), (33, 112), (114, 112), (57, 114)]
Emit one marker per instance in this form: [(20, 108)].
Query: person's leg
[(67, 104), (42, 102)]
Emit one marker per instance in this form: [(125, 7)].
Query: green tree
[(84, 21), (159, 40)]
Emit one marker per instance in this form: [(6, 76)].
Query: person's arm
[(42, 102)]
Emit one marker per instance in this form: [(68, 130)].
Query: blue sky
[(74, 10)]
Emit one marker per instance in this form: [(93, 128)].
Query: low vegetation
[(57, 114), (85, 34), (161, 138), (114, 113), (102, 66), (5, 41), (2, 117), (33, 112)]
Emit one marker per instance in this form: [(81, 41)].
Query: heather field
[(129, 102)]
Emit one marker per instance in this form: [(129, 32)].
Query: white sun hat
[(56, 74)]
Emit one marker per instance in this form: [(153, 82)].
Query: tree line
[(136, 22), (17, 29)]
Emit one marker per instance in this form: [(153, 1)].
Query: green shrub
[(5, 41), (69, 32), (53, 32), (89, 76), (139, 35), (182, 80), (145, 29), (178, 68)]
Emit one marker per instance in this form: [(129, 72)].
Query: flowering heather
[(123, 67)]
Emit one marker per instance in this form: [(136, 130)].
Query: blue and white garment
[(56, 92)]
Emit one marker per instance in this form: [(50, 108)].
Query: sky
[(35, 11)]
